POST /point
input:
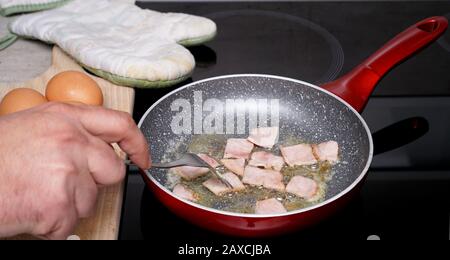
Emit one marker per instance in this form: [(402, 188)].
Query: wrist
[(7, 227), (12, 221)]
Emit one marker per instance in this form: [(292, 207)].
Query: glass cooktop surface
[(407, 193)]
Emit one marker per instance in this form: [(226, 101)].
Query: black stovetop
[(407, 194)]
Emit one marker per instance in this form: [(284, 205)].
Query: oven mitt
[(7, 40), (121, 42), (9, 7)]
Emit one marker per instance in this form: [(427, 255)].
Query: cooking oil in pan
[(245, 201)]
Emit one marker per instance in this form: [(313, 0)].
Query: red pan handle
[(357, 86)]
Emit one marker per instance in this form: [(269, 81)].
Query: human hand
[(52, 160)]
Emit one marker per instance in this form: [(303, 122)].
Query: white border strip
[(274, 1)]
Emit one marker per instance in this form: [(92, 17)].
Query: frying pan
[(316, 114)]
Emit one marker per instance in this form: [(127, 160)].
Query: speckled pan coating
[(306, 111)]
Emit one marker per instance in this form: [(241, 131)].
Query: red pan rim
[(290, 213)]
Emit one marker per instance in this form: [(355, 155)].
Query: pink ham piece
[(302, 187), (219, 188), (267, 178), (327, 151), (301, 154), (265, 136), (238, 149), (209, 160), (267, 161), (190, 173), (184, 193), (234, 181), (270, 206), (235, 165)]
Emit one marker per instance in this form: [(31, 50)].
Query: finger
[(112, 127), (105, 166), (85, 196), (64, 228)]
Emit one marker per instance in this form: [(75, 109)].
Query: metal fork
[(188, 159)]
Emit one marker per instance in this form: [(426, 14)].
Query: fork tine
[(213, 170), (189, 159)]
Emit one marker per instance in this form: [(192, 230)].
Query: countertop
[(24, 59)]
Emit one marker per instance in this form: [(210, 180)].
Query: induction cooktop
[(407, 193)]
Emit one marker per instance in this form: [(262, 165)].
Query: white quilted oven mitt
[(121, 42)]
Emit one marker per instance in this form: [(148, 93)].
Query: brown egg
[(74, 86), (21, 99)]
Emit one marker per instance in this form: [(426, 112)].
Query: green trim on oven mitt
[(31, 8), (135, 83), (7, 40), (198, 41)]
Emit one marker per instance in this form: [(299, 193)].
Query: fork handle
[(160, 165), (167, 165)]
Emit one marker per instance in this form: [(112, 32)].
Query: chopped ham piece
[(267, 161), (209, 160), (302, 187), (234, 181), (184, 193), (267, 178), (264, 136), (270, 206), (216, 186), (189, 172), (219, 188), (301, 154), (238, 149), (235, 165), (327, 151)]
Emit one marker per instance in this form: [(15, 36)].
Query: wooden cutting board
[(105, 224)]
